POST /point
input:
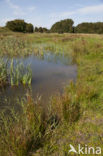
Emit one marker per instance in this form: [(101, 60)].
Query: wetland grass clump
[(14, 46), (67, 106), (22, 133), (32, 129), (14, 73), (20, 74), (3, 73)]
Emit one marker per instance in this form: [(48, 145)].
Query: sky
[(46, 12)]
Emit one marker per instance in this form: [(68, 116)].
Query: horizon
[(46, 13)]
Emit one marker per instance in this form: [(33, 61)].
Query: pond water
[(50, 73)]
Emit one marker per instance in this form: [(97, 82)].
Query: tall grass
[(3, 72), (14, 46), (20, 74), (22, 133), (67, 106), (14, 73)]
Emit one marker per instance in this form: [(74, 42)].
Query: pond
[(50, 73)]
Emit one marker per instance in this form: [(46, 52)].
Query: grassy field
[(75, 117)]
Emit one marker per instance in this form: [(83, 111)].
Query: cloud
[(3, 21), (61, 14), (96, 9), (91, 9), (17, 10), (12, 5)]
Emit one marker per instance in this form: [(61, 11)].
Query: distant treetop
[(63, 26), (20, 26)]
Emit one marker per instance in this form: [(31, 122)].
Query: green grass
[(14, 73), (23, 132), (76, 116), (20, 74), (3, 73)]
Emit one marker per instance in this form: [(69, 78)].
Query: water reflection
[(50, 73)]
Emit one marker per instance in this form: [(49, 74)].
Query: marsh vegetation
[(73, 116), (13, 73)]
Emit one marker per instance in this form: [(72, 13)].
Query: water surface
[(50, 73)]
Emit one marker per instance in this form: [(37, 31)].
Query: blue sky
[(47, 12)]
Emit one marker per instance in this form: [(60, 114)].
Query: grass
[(20, 74), (23, 132), (14, 73), (76, 116), (3, 73), (29, 130)]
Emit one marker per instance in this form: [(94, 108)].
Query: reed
[(3, 72), (19, 73), (22, 134), (14, 73)]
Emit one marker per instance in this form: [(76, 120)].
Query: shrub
[(29, 28), (63, 26), (89, 28), (19, 26), (41, 30)]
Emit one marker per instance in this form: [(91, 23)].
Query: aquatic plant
[(14, 73), (27, 77), (3, 72), (20, 73)]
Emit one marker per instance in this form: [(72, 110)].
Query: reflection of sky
[(60, 59), (47, 78), (46, 12)]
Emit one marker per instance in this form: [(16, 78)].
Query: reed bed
[(14, 73)]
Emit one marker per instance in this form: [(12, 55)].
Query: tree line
[(20, 26), (63, 26)]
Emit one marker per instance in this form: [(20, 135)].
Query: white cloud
[(61, 14), (3, 21), (12, 5), (91, 9), (96, 9), (17, 10)]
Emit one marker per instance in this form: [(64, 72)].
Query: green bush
[(19, 26), (41, 30), (64, 26), (90, 28), (29, 28)]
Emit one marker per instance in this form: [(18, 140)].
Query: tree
[(36, 29), (19, 26), (16, 25), (89, 28), (29, 28), (41, 30), (63, 26), (45, 30)]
